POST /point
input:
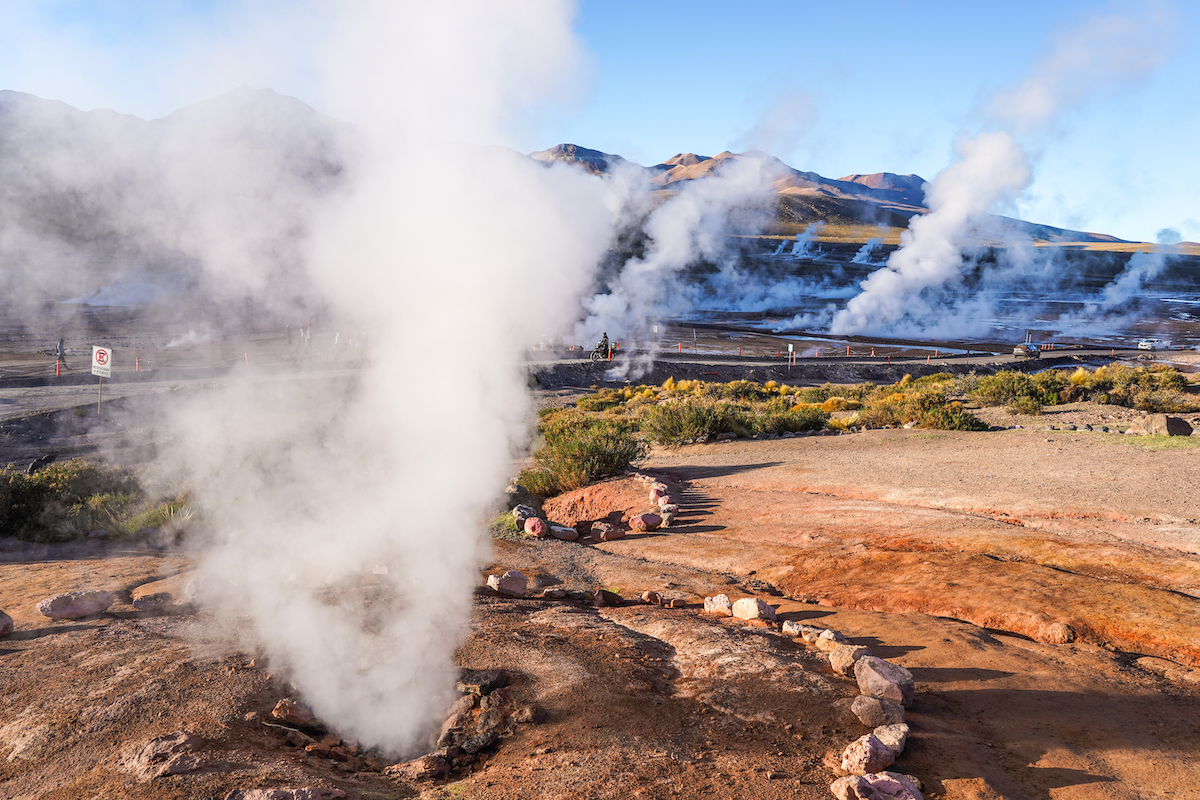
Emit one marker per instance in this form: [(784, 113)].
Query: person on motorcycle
[(604, 347)]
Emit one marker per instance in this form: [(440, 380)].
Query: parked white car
[(1152, 344)]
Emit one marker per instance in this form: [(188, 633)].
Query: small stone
[(607, 599), (426, 768), (830, 639), (554, 593), (295, 713), (791, 628), (298, 739), (657, 492), (874, 712), (1056, 633), (842, 658), (604, 532), (75, 605), (510, 584), (866, 754), (666, 500), (6, 624), (521, 513), (720, 605), (810, 634), (536, 527), (879, 786), (652, 598), (645, 522), (893, 736), (676, 602), (753, 608), (564, 533)]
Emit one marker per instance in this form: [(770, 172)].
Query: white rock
[(753, 608), (880, 786), (720, 605), (867, 754), (893, 736), (511, 583), (791, 628)]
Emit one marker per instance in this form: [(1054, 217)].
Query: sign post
[(102, 368)]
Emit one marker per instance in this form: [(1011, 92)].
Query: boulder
[(879, 786), (645, 522), (564, 533), (536, 527), (510, 584), (867, 754), (885, 680), (73, 605), (842, 658), (874, 712), (720, 605), (665, 500), (752, 608), (294, 712), (894, 736), (6, 624), (1160, 425)]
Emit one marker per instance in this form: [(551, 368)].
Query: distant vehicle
[(1027, 349), (1152, 344)]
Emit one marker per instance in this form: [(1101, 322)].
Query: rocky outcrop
[(1160, 425), (171, 754)]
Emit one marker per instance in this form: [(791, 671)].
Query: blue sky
[(846, 87)]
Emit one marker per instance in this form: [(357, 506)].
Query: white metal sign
[(102, 361)]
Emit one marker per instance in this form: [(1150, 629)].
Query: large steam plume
[(992, 169)]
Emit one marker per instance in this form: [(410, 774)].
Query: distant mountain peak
[(594, 161)]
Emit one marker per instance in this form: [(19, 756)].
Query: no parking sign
[(102, 361)]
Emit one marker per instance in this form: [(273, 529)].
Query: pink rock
[(879, 678), (303, 793), (753, 608), (656, 493), (880, 786), (73, 605), (564, 533), (537, 527), (6, 624), (867, 754), (645, 522)]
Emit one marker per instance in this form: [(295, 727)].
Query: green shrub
[(1025, 405), (690, 419), (65, 501), (1004, 387), (951, 417), (577, 449), (1050, 385)]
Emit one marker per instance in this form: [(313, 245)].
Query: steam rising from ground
[(992, 168), (310, 483)]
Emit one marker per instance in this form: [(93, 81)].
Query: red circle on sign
[(101, 357)]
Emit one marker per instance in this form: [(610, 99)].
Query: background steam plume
[(313, 481), (992, 169)]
